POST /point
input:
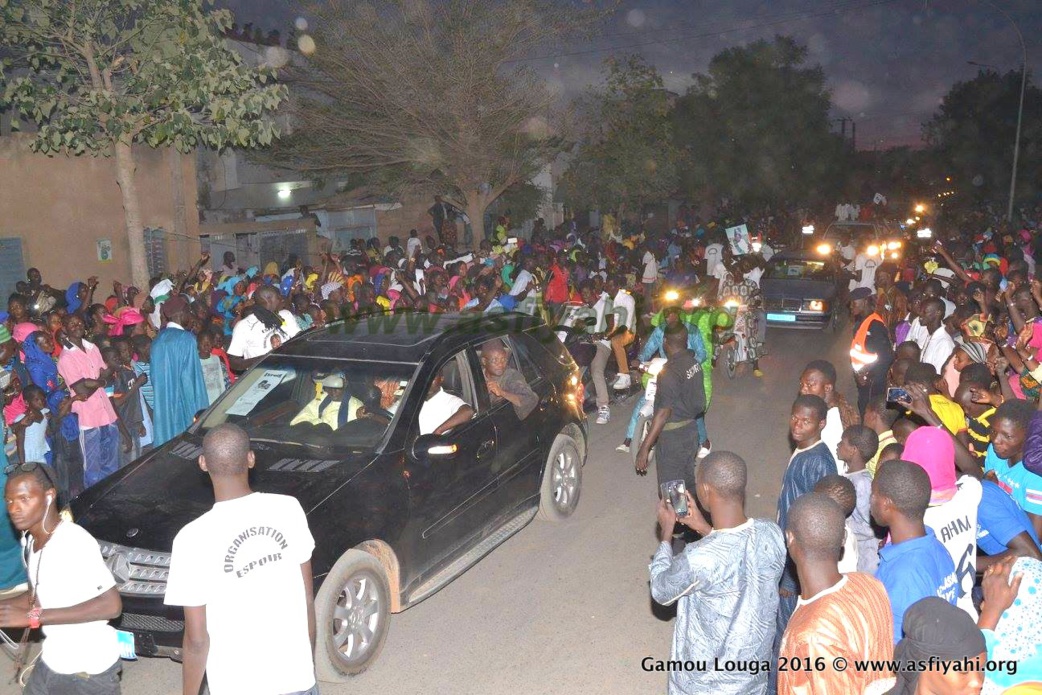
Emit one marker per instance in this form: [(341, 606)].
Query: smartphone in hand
[(676, 492), (896, 394)]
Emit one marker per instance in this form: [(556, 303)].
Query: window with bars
[(155, 251)]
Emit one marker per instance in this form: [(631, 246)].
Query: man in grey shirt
[(725, 585)]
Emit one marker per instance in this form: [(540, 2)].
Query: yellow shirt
[(950, 413), (329, 416), (885, 440)]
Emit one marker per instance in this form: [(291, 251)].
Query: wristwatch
[(34, 616)]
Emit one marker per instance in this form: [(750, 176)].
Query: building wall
[(62, 206)]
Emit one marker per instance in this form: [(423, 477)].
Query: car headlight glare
[(671, 296), (814, 305), (873, 250), (824, 249), (894, 245)]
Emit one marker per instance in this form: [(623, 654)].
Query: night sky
[(888, 62)]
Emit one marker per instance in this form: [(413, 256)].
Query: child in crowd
[(127, 402), (860, 443), (142, 365), (30, 428), (214, 373), (841, 491)]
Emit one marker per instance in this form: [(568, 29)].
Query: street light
[(1020, 110)]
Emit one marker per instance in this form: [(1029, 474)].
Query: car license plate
[(786, 318)]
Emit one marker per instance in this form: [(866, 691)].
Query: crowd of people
[(906, 543), (908, 523)]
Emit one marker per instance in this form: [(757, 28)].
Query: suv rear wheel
[(562, 480), (352, 611)]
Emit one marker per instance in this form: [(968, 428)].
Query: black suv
[(395, 515)]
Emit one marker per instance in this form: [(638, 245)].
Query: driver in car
[(324, 408)]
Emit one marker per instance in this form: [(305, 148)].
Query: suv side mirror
[(433, 447)]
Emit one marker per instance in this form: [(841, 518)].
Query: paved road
[(565, 608)]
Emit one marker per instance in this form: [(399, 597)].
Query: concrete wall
[(62, 206)]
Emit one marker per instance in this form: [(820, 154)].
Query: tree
[(628, 156), (97, 76), (428, 96), (756, 127), (973, 132)]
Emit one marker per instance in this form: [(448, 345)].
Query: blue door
[(12, 265)]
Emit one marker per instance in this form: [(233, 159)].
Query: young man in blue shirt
[(1002, 526), (1004, 462), (914, 564)]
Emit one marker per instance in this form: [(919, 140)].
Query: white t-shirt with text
[(955, 525), (242, 561), (250, 337)]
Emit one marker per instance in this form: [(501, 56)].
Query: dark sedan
[(800, 290), (396, 513)]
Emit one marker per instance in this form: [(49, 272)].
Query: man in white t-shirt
[(623, 329), (262, 331), (72, 593), (413, 246), (864, 272), (524, 278), (714, 256), (242, 572), (649, 278), (442, 411)]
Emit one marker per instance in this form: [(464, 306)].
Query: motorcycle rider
[(742, 282)]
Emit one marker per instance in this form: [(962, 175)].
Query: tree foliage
[(973, 132), (628, 155), (428, 95), (96, 76), (755, 127), (150, 71)]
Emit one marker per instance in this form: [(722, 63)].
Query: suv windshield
[(314, 403), (859, 234), (793, 269)]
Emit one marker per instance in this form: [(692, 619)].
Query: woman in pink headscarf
[(125, 317), (952, 514)]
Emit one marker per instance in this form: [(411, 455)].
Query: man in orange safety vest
[(871, 351)]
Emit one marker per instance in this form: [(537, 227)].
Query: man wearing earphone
[(72, 595)]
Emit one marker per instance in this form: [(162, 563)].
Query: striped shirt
[(146, 390)]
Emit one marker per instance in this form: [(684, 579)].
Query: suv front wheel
[(562, 480), (352, 611)]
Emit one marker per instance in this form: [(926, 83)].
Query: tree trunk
[(476, 212), (125, 173)]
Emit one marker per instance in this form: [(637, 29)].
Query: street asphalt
[(564, 609)]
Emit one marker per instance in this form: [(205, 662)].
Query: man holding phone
[(725, 585)]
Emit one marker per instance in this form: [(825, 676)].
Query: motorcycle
[(740, 342), (583, 348), (647, 410)]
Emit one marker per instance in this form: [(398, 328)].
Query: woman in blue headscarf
[(73, 300), (68, 458), (235, 291)]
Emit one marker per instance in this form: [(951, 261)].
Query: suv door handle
[(486, 447)]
